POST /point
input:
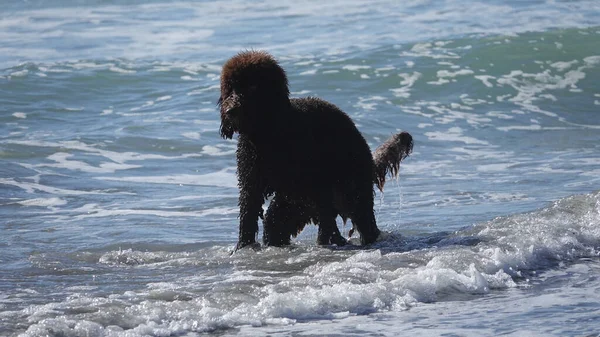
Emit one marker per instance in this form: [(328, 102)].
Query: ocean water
[(118, 199)]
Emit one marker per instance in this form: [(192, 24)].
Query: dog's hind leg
[(363, 217), (363, 220), (283, 220), (328, 230), (336, 237)]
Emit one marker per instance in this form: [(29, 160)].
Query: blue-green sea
[(119, 200)]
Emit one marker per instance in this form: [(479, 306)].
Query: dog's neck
[(270, 122)]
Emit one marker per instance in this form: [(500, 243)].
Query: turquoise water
[(118, 199)]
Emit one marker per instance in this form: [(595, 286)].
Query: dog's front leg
[(252, 190)]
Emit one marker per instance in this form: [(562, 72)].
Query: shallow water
[(119, 199)]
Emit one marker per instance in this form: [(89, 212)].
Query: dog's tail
[(388, 156)]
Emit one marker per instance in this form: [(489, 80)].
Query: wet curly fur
[(305, 152)]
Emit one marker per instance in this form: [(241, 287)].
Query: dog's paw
[(246, 245), (338, 240)]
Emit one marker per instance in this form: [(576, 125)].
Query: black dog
[(305, 151)]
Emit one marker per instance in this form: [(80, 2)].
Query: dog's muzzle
[(231, 109), (231, 106)]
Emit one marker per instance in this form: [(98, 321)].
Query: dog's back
[(319, 148)]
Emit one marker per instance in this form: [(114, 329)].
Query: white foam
[(164, 98), (454, 134), (505, 197), (532, 87), (363, 283), (446, 115), (408, 81), (193, 34), (369, 103), (301, 93), (440, 81), (364, 105), (224, 178), (74, 109), (446, 73), (20, 73), (94, 211), (429, 50), (309, 72), (314, 284), (116, 157), (62, 161), (20, 115), (354, 67), (485, 79), (121, 70), (145, 105), (563, 65), (34, 187), (533, 127), (221, 150), (191, 135), (499, 167), (43, 202), (592, 60)]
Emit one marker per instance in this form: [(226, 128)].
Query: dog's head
[(253, 85)]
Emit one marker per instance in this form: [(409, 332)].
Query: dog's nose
[(232, 110)]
